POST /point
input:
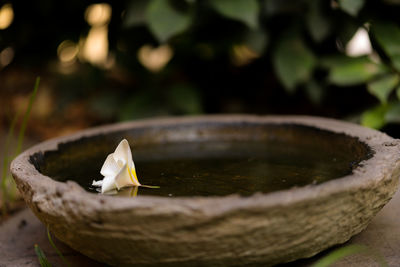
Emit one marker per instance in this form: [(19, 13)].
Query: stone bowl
[(266, 228)]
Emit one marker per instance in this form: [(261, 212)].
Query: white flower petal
[(97, 183), (120, 163), (123, 178), (360, 44), (123, 153), (110, 166), (108, 184)]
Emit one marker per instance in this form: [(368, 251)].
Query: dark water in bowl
[(207, 168)]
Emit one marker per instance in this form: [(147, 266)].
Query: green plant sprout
[(8, 189), (56, 249), (343, 252), (41, 256), (5, 179)]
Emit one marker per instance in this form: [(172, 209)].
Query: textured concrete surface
[(21, 232), (18, 236)]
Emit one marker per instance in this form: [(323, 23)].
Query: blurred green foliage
[(307, 40), (257, 56)]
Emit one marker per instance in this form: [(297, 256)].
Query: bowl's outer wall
[(232, 230)]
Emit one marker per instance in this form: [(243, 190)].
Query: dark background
[(221, 61)]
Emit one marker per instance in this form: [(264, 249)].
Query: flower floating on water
[(118, 169)]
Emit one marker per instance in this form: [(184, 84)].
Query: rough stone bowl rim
[(385, 160)]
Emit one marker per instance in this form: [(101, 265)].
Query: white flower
[(360, 44), (118, 169)]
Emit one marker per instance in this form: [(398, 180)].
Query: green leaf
[(349, 250), (56, 249), (398, 93), (293, 62), (276, 7), (338, 254), (185, 99), (354, 71), (375, 117), (42, 257), (25, 119), (165, 21), (143, 104), (352, 7), (317, 22), (314, 92), (257, 41), (382, 87), (21, 134), (6, 161), (246, 11), (347, 29), (395, 61), (388, 37), (135, 13), (336, 60), (393, 113), (105, 104)]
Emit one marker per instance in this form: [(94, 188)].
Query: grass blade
[(56, 249), (21, 135), (42, 257), (6, 162), (26, 117), (343, 252)]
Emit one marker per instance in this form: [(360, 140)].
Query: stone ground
[(19, 233)]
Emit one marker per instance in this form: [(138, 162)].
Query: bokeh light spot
[(6, 16), (67, 51), (154, 59), (98, 14), (95, 49), (6, 56), (243, 55)]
